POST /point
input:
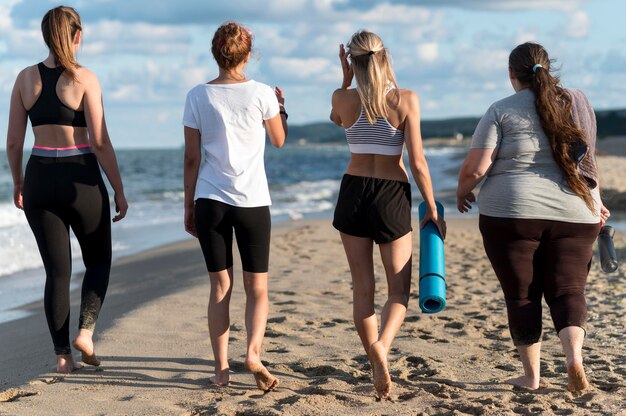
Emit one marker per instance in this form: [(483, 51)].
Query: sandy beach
[(153, 341), (152, 338)]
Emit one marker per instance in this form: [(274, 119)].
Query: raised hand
[(346, 68)]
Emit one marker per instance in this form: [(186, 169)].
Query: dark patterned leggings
[(59, 193)]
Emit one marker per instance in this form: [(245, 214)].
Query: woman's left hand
[(464, 202), (437, 220), (605, 214), (280, 95)]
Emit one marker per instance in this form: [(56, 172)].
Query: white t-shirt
[(230, 119)]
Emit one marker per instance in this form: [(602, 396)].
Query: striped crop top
[(379, 138)]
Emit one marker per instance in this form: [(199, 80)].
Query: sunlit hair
[(554, 106), (374, 77), (231, 45), (59, 27)]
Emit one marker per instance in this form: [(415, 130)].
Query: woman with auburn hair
[(62, 187), (540, 207), (226, 119), (374, 202)]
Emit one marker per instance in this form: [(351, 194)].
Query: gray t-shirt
[(524, 181)]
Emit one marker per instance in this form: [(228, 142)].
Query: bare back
[(347, 110), (70, 93)]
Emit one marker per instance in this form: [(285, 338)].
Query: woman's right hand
[(346, 68), (17, 196), (121, 206), (464, 202), (190, 221)]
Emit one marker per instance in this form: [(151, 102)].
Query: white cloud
[(578, 25), (481, 62), (428, 51), (111, 37), (525, 36), (561, 5), (124, 93), (392, 13), (309, 69)]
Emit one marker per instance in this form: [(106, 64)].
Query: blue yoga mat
[(432, 286)]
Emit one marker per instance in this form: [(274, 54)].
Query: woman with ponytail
[(62, 187), (540, 207), (374, 202)]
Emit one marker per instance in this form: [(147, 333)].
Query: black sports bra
[(48, 109)]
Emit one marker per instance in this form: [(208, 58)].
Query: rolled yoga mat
[(432, 285)]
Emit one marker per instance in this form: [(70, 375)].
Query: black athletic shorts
[(374, 208), (215, 222)]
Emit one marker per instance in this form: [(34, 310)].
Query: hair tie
[(536, 66), (370, 53)]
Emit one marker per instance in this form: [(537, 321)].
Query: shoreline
[(153, 341)]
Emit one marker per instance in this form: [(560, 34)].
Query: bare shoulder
[(343, 97), (343, 93), (28, 74), (409, 98), (87, 78)]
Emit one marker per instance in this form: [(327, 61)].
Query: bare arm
[(474, 168), (417, 162), (346, 82), (16, 134), (101, 143), (334, 115), (276, 127), (191, 168)]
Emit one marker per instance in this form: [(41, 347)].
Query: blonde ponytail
[(59, 28), (372, 70)]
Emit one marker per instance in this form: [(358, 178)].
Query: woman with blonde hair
[(62, 187), (540, 207), (374, 202), (226, 119)]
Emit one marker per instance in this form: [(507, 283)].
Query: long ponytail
[(530, 64), (372, 71), (59, 27)]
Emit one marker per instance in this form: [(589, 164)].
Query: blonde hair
[(59, 27), (370, 62)]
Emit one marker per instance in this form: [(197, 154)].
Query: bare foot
[(221, 378), (264, 380), (576, 379), (84, 343), (378, 359), (524, 382), (66, 364)]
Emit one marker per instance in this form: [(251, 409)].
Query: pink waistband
[(80, 146)]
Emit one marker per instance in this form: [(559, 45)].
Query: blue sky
[(453, 53)]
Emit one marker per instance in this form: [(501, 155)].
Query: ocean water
[(304, 181)]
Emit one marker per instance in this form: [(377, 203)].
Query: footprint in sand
[(507, 367), (12, 395), (454, 325)]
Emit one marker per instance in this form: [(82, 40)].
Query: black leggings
[(534, 257), (59, 193), (215, 222)]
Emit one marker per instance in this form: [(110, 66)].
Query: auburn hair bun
[(231, 45)]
